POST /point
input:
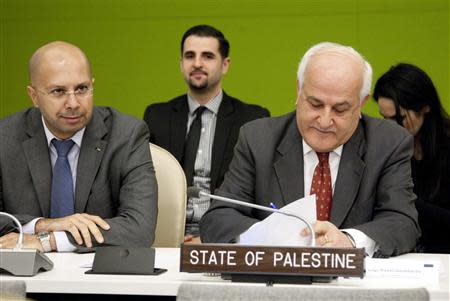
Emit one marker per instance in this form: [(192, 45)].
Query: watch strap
[(44, 238)]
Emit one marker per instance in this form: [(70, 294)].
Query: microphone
[(22, 262), (195, 192), (20, 239)]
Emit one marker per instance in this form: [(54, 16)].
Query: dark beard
[(201, 87)]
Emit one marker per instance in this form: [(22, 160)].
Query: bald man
[(76, 176)]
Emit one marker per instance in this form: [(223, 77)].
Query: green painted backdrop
[(134, 45)]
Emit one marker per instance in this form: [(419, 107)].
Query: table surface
[(68, 276)]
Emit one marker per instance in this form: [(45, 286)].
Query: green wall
[(134, 45)]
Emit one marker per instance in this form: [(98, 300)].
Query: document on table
[(281, 230), (425, 272), (86, 265)]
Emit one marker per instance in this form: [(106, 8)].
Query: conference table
[(68, 277)]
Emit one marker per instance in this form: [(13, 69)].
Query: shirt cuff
[(362, 241), (62, 242), (30, 227)]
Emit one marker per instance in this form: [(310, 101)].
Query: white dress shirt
[(62, 242), (310, 161), (196, 207)]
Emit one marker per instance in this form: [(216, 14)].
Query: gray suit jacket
[(373, 190), (115, 175)]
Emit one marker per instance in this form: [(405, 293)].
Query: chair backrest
[(171, 198), (210, 292)]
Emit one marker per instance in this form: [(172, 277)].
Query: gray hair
[(327, 46)]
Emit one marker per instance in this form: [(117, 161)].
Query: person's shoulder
[(385, 126), (268, 132), (242, 106), (269, 125), (18, 119), (18, 115), (112, 117), (166, 105), (384, 132)]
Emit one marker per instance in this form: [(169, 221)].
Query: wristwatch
[(352, 240), (44, 238)]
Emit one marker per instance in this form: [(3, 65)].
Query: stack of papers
[(281, 230)]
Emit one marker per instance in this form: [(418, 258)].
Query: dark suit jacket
[(115, 175), (373, 190), (434, 213), (168, 126)]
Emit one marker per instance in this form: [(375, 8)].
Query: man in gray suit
[(363, 164), (75, 175)]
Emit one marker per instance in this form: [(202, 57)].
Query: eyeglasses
[(80, 92)]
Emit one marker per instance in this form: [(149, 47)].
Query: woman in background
[(407, 95)]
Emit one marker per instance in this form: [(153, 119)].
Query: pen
[(273, 206)]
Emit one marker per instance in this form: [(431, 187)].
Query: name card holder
[(293, 265)]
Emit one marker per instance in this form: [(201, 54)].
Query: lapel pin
[(98, 149)]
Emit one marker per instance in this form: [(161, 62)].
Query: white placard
[(425, 272)]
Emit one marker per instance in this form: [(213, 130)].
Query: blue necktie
[(62, 199)]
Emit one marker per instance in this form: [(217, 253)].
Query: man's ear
[(298, 92), (363, 101), (32, 93), (225, 65)]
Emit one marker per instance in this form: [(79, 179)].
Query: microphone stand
[(22, 262), (16, 221)]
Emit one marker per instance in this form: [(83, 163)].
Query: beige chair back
[(171, 198)]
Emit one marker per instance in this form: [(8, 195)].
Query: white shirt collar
[(307, 149), (77, 138), (212, 105)]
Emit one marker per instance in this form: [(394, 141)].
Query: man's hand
[(81, 226), (30, 241), (327, 235), (191, 239)]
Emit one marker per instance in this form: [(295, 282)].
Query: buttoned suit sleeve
[(124, 191), (136, 215)]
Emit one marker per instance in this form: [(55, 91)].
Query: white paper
[(87, 265), (282, 230)]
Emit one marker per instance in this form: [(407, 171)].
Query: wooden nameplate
[(243, 263)]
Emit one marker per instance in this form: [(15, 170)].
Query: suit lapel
[(348, 180), (225, 120), (38, 160), (91, 154), (178, 128), (289, 166)]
